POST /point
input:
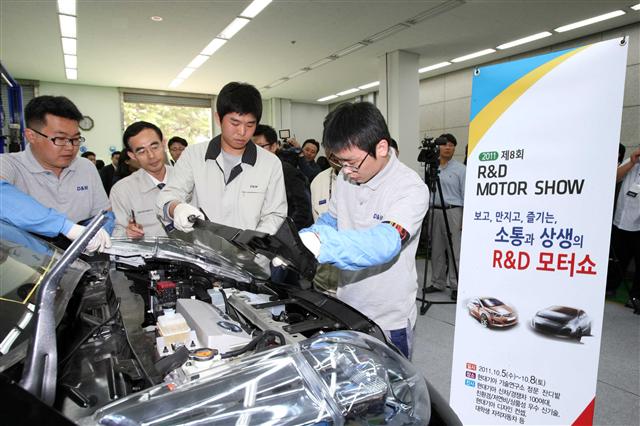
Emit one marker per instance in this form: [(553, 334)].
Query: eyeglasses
[(60, 141), (346, 167), (153, 147), (177, 148)]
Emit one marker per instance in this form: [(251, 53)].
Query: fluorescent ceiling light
[(71, 61), (185, 73), (69, 46), (278, 82), (197, 61), (67, 26), (347, 92), (235, 26), (524, 40), (177, 82), (67, 7), (386, 33), (72, 74), (473, 55), (590, 21), (369, 85), (327, 98), (349, 49), (636, 7), (297, 73), (254, 8), (214, 45), (434, 67), (320, 63)]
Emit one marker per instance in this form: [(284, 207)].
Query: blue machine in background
[(14, 140)]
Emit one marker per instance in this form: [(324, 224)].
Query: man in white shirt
[(235, 183), (133, 198)]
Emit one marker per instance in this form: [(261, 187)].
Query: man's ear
[(131, 155), (382, 148), (30, 135)]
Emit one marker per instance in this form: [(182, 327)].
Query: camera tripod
[(432, 179)]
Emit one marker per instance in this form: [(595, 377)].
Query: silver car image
[(562, 321)]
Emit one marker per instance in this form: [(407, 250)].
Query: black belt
[(446, 207)]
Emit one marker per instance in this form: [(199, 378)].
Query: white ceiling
[(120, 46)]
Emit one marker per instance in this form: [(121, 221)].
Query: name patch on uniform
[(82, 188), (377, 216), (321, 202)]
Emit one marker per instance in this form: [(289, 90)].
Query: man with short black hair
[(133, 198), (108, 174), (373, 224), (176, 146), (230, 179), (295, 183), (51, 176), (452, 176), (307, 162), (89, 155)]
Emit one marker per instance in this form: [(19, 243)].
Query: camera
[(289, 153), (429, 154)]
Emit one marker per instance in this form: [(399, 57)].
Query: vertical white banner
[(543, 144)]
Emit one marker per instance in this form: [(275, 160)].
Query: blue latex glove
[(356, 249), (24, 212), (326, 219), (110, 224)]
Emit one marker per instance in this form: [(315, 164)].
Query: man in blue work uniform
[(372, 228)]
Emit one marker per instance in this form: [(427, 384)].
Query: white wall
[(102, 104), (306, 120)]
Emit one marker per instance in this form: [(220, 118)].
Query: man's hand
[(181, 215), (635, 155), (99, 242), (134, 230)]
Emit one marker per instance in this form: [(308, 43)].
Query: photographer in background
[(452, 176)]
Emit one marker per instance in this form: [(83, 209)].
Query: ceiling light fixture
[(197, 61), (175, 83), (524, 40), (254, 8), (156, 18), (233, 28), (71, 74), (69, 46), (369, 85), (348, 50), (185, 73), (67, 26), (434, 67), (71, 61), (473, 55), (386, 33), (321, 62), (214, 45), (590, 21), (636, 7), (327, 98), (347, 92), (67, 7)]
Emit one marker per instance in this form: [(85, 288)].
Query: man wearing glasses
[(52, 177), (133, 198), (373, 224)]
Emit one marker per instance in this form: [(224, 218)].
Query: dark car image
[(491, 312), (562, 321)]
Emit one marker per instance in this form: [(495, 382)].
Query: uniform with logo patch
[(78, 192), (138, 193), (386, 293), (246, 193)]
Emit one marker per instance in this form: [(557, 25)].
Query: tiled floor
[(618, 389)]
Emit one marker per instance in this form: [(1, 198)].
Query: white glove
[(181, 214), (99, 242), (312, 242)]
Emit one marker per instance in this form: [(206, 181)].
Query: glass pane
[(191, 123)]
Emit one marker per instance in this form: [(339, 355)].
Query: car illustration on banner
[(491, 312), (562, 321)]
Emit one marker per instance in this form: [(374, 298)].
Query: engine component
[(212, 328), (166, 293), (174, 332)]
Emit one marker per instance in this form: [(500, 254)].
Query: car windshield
[(558, 313), (24, 263), (490, 302)]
